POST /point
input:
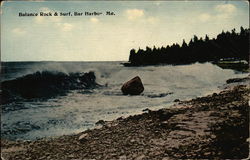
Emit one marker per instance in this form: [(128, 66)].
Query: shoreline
[(204, 127), (234, 65)]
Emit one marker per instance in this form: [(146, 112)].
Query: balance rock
[(133, 86)]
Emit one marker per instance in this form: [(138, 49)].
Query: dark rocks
[(159, 95), (100, 122), (235, 80), (83, 137), (214, 95), (45, 84), (146, 110), (176, 100), (163, 115), (120, 118), (133, 86)]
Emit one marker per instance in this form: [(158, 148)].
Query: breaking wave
[(45, 84)]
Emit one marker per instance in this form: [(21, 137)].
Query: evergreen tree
[(184, 44), (230, 45), (206, 38)]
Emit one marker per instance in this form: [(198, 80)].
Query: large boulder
[(133, 86)]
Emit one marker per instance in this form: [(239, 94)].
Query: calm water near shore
[(79, 110)]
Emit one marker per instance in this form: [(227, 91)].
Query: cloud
[(65, 27), (204, 17), (157, 3), (225, 8), (133, 14), (53, 21), (39, 19), (18, 31), (224, 11), (94, 20), (152, 20)]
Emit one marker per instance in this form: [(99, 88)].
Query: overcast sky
[(110, 38)]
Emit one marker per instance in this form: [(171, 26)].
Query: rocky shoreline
[(211, 127)]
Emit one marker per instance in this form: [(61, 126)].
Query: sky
[(110, 37)]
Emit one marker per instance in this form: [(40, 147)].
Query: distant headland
[(226, 46)]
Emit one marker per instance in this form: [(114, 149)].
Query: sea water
[(80, 109)]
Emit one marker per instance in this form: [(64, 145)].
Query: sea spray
[(45, 84), (80, 109)]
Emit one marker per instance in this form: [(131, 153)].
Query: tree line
[(227, 45)]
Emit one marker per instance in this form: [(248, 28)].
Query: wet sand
[(211, 127)]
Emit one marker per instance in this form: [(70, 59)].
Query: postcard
[(124, 80)]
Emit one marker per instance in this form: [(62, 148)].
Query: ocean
[(62, 98)]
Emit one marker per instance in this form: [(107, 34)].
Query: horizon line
[(62, 61)]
